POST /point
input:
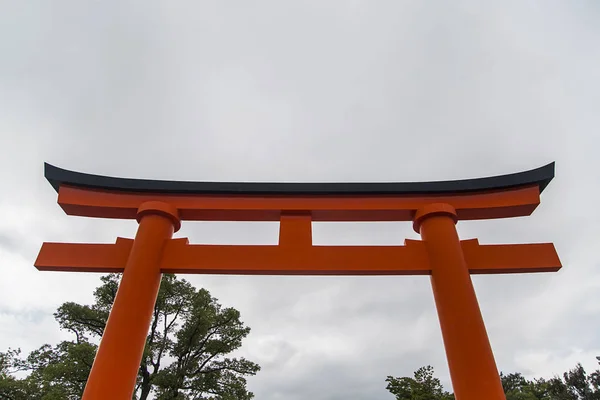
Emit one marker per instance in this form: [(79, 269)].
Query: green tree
[(575, 384), (424, 386), (580, 385), (56, 372), (185, 355), (516, 387)]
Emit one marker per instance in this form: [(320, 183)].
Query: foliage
[(424, 386), (575, 384), (184, 358)]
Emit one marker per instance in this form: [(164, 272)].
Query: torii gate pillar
[(472, 367), (433, 207), (120, 352)]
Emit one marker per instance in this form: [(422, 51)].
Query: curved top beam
[(539, 176)]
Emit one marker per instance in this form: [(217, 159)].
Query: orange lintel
[(510, 258), (84, 257), (481, 205), (411, 259)]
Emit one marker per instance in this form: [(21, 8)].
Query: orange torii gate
[(433, 207)]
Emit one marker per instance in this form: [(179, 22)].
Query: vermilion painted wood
[(411, 259), (487, 205), (433, 207), (117, 361), (472, 366)]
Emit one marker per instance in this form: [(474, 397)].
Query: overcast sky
[(343, 90)]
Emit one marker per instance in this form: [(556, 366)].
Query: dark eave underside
[(539, 176)]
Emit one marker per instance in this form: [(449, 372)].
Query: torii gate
[(433, 207)]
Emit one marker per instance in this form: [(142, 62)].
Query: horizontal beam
[(103, 204), (180, 257), (510, 258), (310, 260), (539, 177), (504, 196), (84, 257)]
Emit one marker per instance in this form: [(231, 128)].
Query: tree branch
[(216, 329), (153, 333), (164, 339)]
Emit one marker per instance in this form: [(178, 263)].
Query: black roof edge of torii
[(540, 176)]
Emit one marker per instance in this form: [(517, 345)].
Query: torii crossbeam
[(433, 207)]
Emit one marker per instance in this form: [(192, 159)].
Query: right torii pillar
[(472, 367)]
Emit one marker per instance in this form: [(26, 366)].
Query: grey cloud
[(336, 91)]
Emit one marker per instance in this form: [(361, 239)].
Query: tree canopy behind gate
[(186, 353), (575, 384)]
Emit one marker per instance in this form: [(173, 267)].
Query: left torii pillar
[(118, 358)]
